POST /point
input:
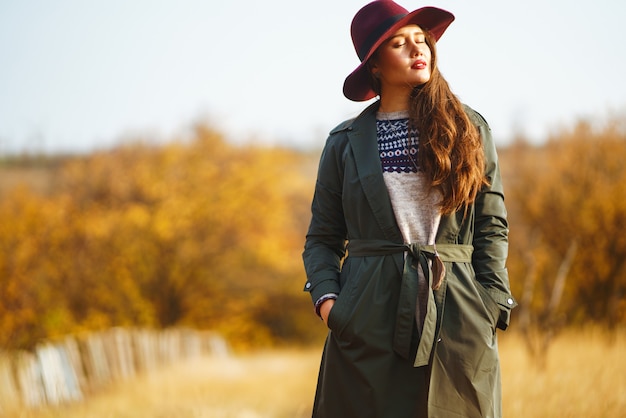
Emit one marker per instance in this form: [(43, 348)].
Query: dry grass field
[(585, 376)]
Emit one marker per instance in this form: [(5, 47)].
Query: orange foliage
[(200, 233), (572, 189)]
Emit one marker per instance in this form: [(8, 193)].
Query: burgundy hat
[(374, 24)]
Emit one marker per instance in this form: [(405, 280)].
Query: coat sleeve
[(491, 230), (325, 243)]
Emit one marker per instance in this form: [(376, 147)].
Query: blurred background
[(158, 158)]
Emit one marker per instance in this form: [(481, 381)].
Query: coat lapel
[(364, 145)]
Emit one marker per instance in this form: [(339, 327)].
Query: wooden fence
[(68, 370)]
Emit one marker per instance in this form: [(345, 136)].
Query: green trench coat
[(375, 363)]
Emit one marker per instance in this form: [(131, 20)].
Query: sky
[(78, 76)]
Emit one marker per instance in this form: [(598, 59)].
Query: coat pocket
[(491, 306), (342, 311), (336, 317), (367, 303)]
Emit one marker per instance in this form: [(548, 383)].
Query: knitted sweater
[(414, 202)]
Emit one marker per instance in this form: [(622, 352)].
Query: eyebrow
[(417, 32)]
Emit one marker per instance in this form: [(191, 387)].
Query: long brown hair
[(450, 149)]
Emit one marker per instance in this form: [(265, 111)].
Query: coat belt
[(416, 254)]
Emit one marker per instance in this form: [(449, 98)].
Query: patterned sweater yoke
[(414, 202)]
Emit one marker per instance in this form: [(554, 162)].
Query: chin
[(420, 83)]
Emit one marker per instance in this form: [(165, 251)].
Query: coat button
[(509, 301), (308, 286)]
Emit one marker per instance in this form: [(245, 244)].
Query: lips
[(419, 65)]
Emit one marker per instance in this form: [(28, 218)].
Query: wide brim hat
[(375, 23)]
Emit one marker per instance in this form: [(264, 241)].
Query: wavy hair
[(450, 149)]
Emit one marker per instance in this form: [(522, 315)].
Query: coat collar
[(364, 144)]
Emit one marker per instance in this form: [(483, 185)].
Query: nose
[(415, 49)]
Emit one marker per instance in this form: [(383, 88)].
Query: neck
[(393, 102)]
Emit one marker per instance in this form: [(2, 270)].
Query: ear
[(373, 68)]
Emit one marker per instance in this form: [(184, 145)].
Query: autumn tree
[(197, 233), (567, 200)]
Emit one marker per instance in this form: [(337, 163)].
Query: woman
[(406, 250)]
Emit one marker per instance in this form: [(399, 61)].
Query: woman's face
[(403, 61)]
